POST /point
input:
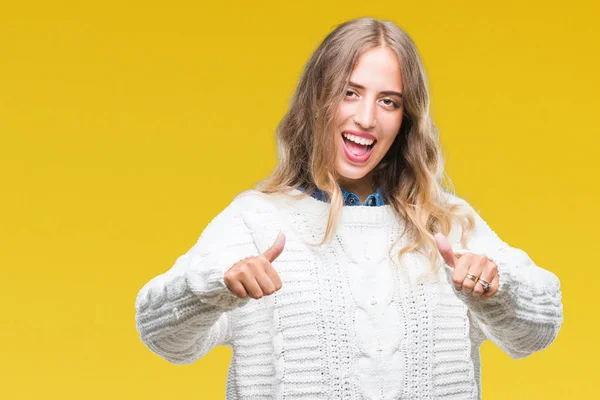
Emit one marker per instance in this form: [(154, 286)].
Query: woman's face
[(371, 114)]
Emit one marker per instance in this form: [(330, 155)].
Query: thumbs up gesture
[(255, 276), (472, 273)]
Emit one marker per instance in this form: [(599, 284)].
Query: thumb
[(445, 249), (275, 250)]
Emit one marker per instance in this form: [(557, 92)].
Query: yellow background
[(126, 126)]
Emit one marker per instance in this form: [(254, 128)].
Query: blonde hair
[(410, 174)]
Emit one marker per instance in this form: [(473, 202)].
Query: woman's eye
[(388, 102), (391, 103)]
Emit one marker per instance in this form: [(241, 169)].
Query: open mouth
[(357, 149)]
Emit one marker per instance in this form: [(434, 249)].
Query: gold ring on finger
[(472, 277)]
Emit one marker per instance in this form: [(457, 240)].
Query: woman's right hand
[(255, 276)]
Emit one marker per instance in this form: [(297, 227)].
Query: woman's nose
[(365, 115)]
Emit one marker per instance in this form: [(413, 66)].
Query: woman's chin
[(352, 173), (352, 170)]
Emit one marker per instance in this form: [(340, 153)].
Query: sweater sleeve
[(183, 313), (526, 313)]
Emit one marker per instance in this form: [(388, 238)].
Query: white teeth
[(358, 140)]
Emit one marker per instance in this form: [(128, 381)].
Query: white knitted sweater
[(348, 322)]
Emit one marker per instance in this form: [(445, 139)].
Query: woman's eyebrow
[(386, 92)]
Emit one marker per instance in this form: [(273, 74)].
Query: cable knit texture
[(349, 322)]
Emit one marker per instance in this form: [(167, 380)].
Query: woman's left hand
[(470, 271)]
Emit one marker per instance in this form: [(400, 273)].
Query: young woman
[(351, 272)]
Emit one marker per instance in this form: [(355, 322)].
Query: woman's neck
[(363, 187)]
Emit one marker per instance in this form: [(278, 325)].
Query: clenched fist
[(471, 273), (255, 276)]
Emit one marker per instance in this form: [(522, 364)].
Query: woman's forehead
[(378, 69)]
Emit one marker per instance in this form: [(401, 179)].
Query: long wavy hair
[(410, 174)]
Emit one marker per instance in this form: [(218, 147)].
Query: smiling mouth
[(357, 153), (358, 149)]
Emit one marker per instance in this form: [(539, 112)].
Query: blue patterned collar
[(350, 199)]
